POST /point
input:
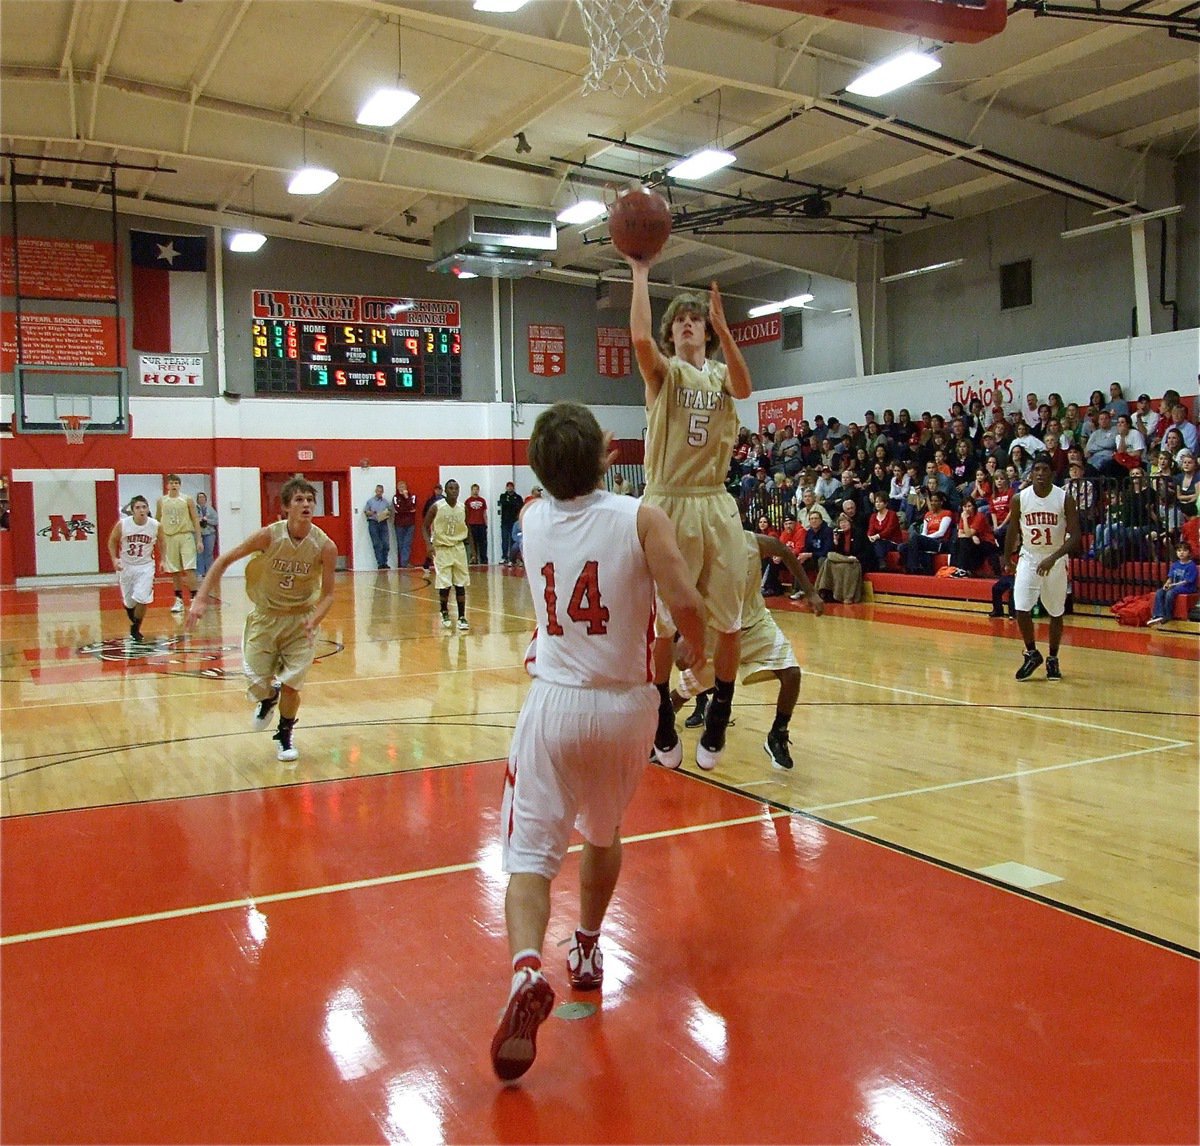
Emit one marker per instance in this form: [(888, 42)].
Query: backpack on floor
[(1134, 611)]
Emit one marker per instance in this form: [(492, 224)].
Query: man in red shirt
[(404, 520), (476, 509), (934, 533)]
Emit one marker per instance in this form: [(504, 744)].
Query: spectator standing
[(207, 516), (508, 505), (378, 511), (404, 521), (476, 510)]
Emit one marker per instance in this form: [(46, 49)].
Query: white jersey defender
[(1043, 530), (583, 737), (592, 591)]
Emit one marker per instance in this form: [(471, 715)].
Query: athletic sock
[(527, 959), (781, 722)]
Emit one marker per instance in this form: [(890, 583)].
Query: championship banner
[(769, 328), (547, 349), (779, 411), (59, 268), (58, 340), (175, 370), (614, 351)]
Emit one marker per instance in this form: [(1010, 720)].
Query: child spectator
[(1181, 578)]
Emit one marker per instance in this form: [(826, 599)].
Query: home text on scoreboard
[(408, 348)]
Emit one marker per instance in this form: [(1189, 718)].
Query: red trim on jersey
[(650, 643)]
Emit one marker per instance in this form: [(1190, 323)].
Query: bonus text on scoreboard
[(355, 345)]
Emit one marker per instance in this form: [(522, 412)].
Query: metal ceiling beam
[(1157, 129), (1130, 89)]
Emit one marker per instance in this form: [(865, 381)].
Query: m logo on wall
[(65, 537)]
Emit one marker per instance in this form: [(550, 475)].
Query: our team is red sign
[(547, 349), (614, 351)]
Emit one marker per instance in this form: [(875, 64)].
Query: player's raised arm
[(650, 360), (739, 373), (670, 573)]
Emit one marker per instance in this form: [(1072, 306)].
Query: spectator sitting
[(933, 535), (1187, 487), (880, 481), (883, 530), (771, 567), (963, 462), (898, 488), (1071, 424), (788, 453), (515, 558), (1116, 404), (841, 573), (818, 541), (1186, 427), (1129, 517), (810, 505), (1021, 462), (1181, 578), (1130, 451), (827, 486), (976, 544), (1091, 416), (1083, 490), (1145, 419), (1026, 439), (1173, 445)]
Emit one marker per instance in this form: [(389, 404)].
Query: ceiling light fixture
[(922, 270), (388, 106), (1127, 221), (310, 180), (796, 302), (701, 164), (464, 274), (247, 242), (582, 212), (894, 73), (499, 5)]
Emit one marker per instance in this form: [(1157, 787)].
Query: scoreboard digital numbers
[(353, 345)]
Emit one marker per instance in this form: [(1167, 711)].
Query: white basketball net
[(627, 40)]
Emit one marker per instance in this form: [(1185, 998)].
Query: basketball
[(639, 223)]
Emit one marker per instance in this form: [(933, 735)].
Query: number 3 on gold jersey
[(698, 430), (288, 581)]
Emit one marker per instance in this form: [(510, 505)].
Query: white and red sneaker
[(514, 1045), (585, 964)]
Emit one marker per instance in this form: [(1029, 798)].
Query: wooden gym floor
[(969, 914)]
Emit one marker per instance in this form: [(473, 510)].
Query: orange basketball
[(639, 223)]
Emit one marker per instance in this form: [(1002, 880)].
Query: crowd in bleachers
[(846, 496)]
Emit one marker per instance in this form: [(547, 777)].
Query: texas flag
[(170, 292)]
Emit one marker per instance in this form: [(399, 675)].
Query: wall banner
[(547, 349), (174, 370)]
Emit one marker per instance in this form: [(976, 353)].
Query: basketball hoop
[(74, 426), (627, 41)]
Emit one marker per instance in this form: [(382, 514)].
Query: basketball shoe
[(463, 624), (1029, 665), (585, 964), (1053, 672), (696, 719), (778, 748), (712, 741), (514, 1045), (178, 606), (446, 622), (285, 750), (263, 710)]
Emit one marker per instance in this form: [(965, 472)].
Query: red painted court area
[(768, 979)]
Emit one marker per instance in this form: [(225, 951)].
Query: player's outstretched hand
[(716, 309), (198, 608)]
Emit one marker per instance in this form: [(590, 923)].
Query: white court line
[(855, 820), (352, 885), (1032, 714), (999, 776), (470, 608)]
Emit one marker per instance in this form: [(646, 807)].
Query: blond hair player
[(290, 581), (181, 538), (692, 427)]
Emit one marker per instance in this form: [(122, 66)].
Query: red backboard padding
[(944, 20)]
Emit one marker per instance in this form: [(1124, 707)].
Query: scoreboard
[(400, 355)]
